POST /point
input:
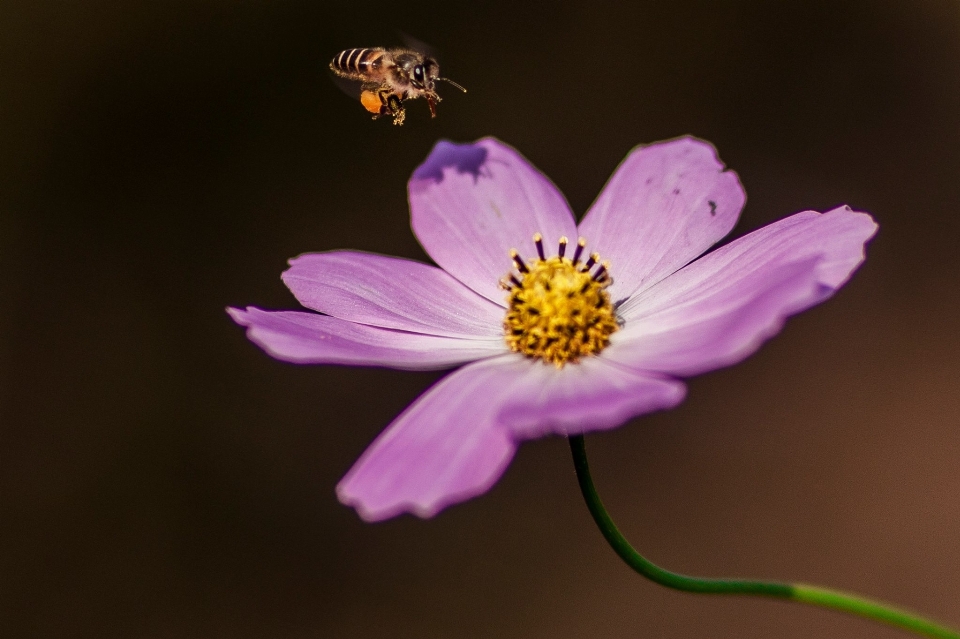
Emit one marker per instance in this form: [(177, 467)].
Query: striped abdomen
[(357, 63)]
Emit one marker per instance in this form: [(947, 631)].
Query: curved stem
[(803, 593)]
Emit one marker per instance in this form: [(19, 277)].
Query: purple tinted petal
[(471, 203), (665, 205), (455, 441), (391, 293), (718, 329), (308, 338), (594, 394), (445, 448), (719, 309)]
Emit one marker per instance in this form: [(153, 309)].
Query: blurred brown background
[(161, 477)]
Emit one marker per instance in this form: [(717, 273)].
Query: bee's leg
[(432, 103), (392, 106)]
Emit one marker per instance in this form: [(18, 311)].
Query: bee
[(389, 77)]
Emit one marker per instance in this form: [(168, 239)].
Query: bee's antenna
[(448, 80)]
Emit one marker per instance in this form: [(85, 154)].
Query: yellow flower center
[(559, 310)]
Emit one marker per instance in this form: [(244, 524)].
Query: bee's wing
[(417, 45), (348, 86)]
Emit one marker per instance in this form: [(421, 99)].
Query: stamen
[(581, 244), (558, 309), (508, 283), (602, 271), (518, 261), (589, 263)]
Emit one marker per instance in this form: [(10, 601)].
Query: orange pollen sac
[(371, 101), (558, 308)]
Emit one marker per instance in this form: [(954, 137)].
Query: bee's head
[(424, 74)]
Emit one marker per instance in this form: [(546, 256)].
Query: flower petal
[(390, 292), (456, 440), (665, 205), (308, 338), (471, 203), (445, 448), (594, 394), (719, 309)]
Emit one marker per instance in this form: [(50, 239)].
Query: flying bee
[(389, 77)]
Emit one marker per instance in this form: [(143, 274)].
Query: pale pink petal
[(471, 203), (309, 338), (445, 448), (594, 394), (665, 205), (391, 293), (719, 309)]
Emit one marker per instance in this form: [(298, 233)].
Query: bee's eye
[(418, 73)]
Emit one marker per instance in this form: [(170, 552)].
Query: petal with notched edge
[(664, 206), (471, 203)]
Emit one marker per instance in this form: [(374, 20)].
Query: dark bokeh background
[(161, 477)]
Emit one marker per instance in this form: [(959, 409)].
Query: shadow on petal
[(465, 158)]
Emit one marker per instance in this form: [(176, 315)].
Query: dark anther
[(601, 273), (581, 244), (563, 247), (533, 311), (515, 281), (589, 263), (519, 262), (538, 240)]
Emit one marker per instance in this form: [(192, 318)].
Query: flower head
[(558, 310), (549, 337)]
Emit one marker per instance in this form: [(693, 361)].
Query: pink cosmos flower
[(556, 327)]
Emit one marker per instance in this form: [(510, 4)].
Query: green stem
[(803, 593)]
